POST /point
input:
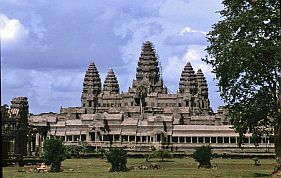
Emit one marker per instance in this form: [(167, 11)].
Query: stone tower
[(91, 89), (148, 72), (111, 83), (188, 82), (19, 111), (202, 90)]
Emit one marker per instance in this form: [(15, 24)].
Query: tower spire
[(111, 83), (148, 71), (91, 88)]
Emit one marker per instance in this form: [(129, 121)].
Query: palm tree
[(141, 94)]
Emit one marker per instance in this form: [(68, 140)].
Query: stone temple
[(145, 117)]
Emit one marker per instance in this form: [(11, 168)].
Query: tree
[(54, 153), (245, 54), (118, 159), (5, 134), (5, 111), (141, 94), (203, 156)]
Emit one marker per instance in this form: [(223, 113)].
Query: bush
[(101, 152), (118, 159), (54, 153), (203, 156), (73, 151), (161, 154)]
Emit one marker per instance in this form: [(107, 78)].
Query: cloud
[(187, 36), (45, 89), (172, 71), (57, 40), (12, 31)]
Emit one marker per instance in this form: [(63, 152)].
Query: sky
[(47, 45)]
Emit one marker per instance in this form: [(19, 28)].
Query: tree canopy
[(118, 159), (245, 53), (203, 156), (54, 153)]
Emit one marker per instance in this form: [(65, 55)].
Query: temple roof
[(202, 83), (148, 68), (111, 83), (92, 78), (188, 80)]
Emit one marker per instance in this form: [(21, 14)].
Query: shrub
[(162, 154), (101, 152), (54, 153), (203, 156), (118, 159), (73, 151)]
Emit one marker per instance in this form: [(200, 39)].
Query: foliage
[(245, 53), (54, 153), (203, 156), (105, 127), (181, 121), (161, 154), (5, 133), (102, 152), (73, 151), (141, 92), (4, 111), (118, 159)]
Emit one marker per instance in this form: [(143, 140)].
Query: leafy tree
[(4, 111), (181, 120), (161, 154), (106, 126), (5, 133), (54, 153), (203, 156), (118, 159), (141, 94), (245, 54)]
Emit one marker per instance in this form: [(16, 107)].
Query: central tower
[(148, 73)]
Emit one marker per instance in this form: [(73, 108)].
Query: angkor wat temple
[(146, 116)]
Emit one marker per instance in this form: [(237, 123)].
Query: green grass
[(184, 167)]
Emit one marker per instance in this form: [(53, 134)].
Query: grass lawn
[(176, 167)]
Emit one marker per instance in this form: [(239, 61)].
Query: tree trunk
[(277, 142), (277, 136)]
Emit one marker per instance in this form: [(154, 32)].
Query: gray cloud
[(190, 38), (49, 63)]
